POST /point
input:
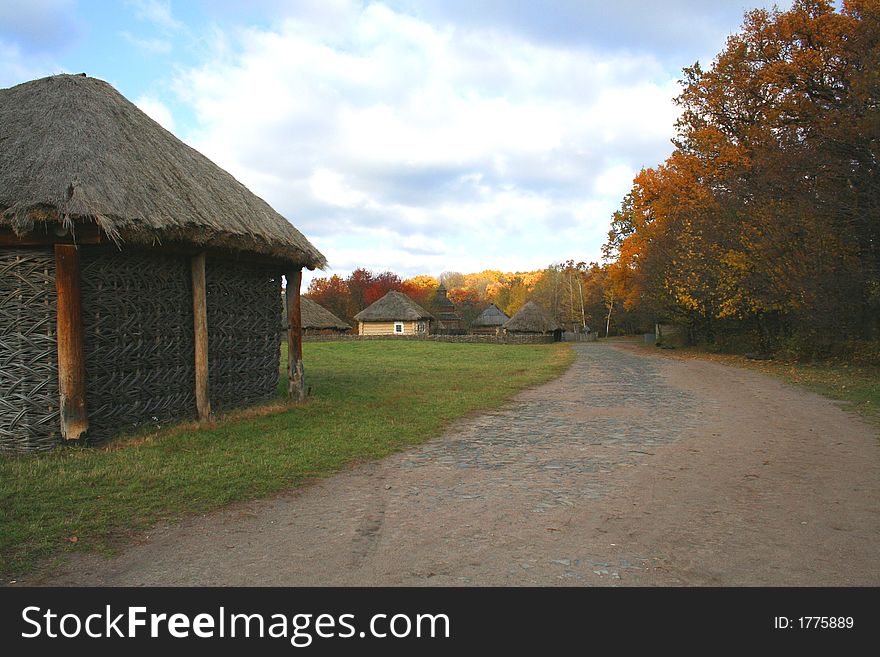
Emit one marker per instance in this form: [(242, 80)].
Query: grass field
[(369, 399)]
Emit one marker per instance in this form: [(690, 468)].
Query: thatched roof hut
[(394, 314), (393, 306), (532, 318), (75, 148), (140, 281), (316, 318), (490, 320)]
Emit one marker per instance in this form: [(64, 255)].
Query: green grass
[(368, 400)]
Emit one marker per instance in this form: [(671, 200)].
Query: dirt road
[(627, 470)]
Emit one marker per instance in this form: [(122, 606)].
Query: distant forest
[(761, 231), (574, 292)]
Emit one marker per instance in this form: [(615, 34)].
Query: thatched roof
[(492, 316), (393, 307), (73, 148), (317, 317), (531, 318)]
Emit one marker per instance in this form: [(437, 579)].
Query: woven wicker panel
[(244, 332), (28, 353), (138, 325)]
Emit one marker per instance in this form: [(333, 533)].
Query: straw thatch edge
[(394, 306)]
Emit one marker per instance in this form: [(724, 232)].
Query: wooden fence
[(474, 339)]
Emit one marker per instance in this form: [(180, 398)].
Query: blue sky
[(406, 135)]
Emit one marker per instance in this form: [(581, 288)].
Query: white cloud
[(615, 181), (16, 68), (422, 245), (154, 46), (157, 111), (330, 187), (670, 29), (438, 148), (157, 12)]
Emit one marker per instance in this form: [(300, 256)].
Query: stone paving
[(557, 445)]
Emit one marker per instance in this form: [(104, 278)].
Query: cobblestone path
[(557, 446), (628, 469)]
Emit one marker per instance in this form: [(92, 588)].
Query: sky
[(414, 136)]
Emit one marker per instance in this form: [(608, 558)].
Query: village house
[(533, 319), (490, 321), (317, 320), (139, 282), (394, 314)]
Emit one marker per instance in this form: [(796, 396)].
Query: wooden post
[(200, 327), (69, 337), (296, 388)]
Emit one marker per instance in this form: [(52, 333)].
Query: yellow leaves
[(687, 302), (422, 281), (735, 262)]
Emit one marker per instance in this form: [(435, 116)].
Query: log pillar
[(69, 337), (200, 328), (296, 389)]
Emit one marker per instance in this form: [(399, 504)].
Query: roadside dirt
[(628, 470)]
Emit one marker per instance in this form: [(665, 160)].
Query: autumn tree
[(420, 289), (560, 289), (345, 298), (764, 221), (331, 293), (452, 279), (467, 304), (483, 281)]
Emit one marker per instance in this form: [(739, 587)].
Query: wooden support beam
[(296, 389), (200, 328), (69, 338)]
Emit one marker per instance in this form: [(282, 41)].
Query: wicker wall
[(28, 368), (138, 341), (244, 332), (138, 326)]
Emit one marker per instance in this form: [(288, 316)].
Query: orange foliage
[(768, 212)]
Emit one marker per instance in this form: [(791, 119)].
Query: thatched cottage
[(490, 321), (394, 314), (533, 319), (316, 319), (139, 282)]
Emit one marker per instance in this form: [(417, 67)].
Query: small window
[(423, 327), (398, 328)]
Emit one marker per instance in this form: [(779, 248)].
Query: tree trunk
[(608, 320), (583, 311)]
